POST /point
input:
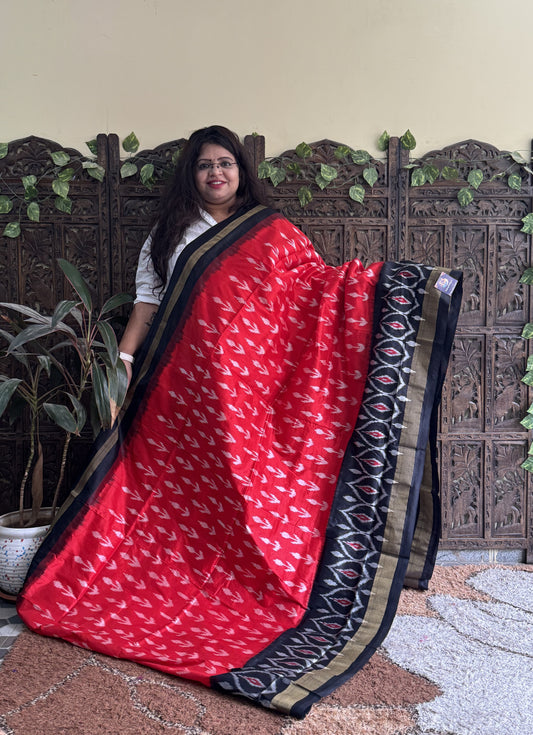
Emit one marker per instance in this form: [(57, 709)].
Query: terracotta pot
[(18, 547)]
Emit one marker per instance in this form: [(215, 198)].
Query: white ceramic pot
[(18, 547)]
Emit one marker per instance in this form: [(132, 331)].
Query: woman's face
[(217, 179)]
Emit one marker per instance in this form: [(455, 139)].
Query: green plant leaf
[(514, 182), (527, 421), (94, 170), (12, 229), (264, 169), (528, 224), (130, 143), (370, 175), (431, 172), (527, 330), (529, 366), (465, 196), (328, 173), (117, 380), (62, 417), (277, 175), (303, 150), (33, 211), (110, 340), (101, 395), (28, 181), (360, 157), (527, 464), (92, 145), (449, 173), (66, 174), (61, 188), (321, 182), (147, 175), (383, 141), (31, 194), (305, 195), (115, 301), (357, 193), (60, 158), (527, 378), (527, 276), (63, 204), (128, 169), (475, 177), (7, 389), (31, 333), (418, 177), (3, 150), (6, 205), (62, 310), (294, 168), (342, 152), (408, 140), (32, 314), (77, 281), (518, 157)]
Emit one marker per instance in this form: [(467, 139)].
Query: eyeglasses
[(208, 165)]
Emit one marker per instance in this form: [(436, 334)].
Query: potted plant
[(48, 382)]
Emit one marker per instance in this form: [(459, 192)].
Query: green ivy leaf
[(30, 194), (465, 196), (360, 157), (264, 169), (294, 168), (370, 175), (303, 150), (418, 177), (329, 173), (147, 175), (63, 204), (431, 172), (60, 158), (342, 152), (475, 177), (61, 188), (277, 175), (357, 193), (321, 182), (33, 211), (514, 182), (94, 170), (527, 378), (527, 276), (449, 173), (408, 140), (529, 366), (527, 422), (527, 331), (527, 464), (127, 169), (383, 141), (92, 145), (66, 174), (304, 195), (3, 150), (12, 229), (6, 205), (528, 224), (518, 157), (28, 181), (130, 143)]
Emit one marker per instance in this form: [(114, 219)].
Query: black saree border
[(190, 267), (361, 569)]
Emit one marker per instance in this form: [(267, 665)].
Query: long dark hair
[(180, 204)]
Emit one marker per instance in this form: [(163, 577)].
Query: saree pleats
[(252, 516)]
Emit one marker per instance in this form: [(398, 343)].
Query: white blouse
[(146, 280)]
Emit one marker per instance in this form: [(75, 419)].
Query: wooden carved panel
[(464, 394), (469, 253), (508, 497), (506, 394), (464, 491)]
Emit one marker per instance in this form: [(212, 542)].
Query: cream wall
[(292, 70)]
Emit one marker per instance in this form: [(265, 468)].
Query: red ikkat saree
[(252, 516)]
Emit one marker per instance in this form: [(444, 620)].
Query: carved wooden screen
[(486, 496)]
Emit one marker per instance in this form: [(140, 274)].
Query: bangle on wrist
[(126, 357)]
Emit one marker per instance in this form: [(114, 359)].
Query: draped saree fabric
[(252, 516)]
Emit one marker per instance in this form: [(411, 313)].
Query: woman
[(213, 179), (252, 516)]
